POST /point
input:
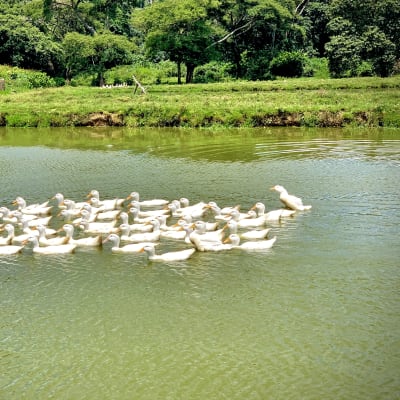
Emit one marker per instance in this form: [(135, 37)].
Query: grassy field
[(307, 102)]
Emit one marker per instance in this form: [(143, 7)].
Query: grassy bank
[(293, 102)]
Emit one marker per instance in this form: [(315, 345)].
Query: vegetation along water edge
[(309, 102)]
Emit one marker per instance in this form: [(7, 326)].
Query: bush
[(39, 80), (212, 72), (288, 64), (365, 69), (316, 67), (22, 79)]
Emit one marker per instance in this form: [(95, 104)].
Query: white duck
[(180, 255), (45, 241), (290, 201), (202, 245), (253, 234), (198, 241), (200, 228), (115, 240), (89, 241), (97, 228), (32, 209), (143, 236), (147, 213), (9, 250), (220, 213), (109, 204), (162, 219), (6, 240), (134, 196), (62, 202), (138, 227), (102, 213), (135, 216), (7, 216), (73, 208), (251, 221), (210, 226), (273, 215), (33, 243), (196, 211), (251, 245)]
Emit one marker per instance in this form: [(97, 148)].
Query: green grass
[(298, 102)]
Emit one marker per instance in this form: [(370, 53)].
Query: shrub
[(22, 79), (39, 80), (212, 72), (365, 69), (316, 67), (288, 64)]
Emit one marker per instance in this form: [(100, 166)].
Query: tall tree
[(24, 45), (359, 34), (255, 31), (95, 53), (182, 30)]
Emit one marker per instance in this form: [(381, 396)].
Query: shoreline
[(319, 103)]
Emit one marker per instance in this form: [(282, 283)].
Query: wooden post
[(2, 84), (138, 85)]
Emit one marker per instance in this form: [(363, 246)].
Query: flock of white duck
[(131, 225)]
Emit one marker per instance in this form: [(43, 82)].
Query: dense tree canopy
[(255, 38)]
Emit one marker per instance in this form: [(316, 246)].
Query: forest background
[(99, 42)]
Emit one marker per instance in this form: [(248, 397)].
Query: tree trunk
[(179, 72), (189, 73)]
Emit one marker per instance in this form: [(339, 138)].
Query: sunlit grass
[(306, 101)]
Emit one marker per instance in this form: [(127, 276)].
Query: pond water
[(315, 317)]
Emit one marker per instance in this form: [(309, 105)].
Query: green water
[(316, 317)]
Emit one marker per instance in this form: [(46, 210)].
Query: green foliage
[(181, 30), (298, 102), (343, 52), (288, 64), (23, 45), (316, 67), (212, 72), (81, 40), (18, 79), (96, 53), (362, 31)]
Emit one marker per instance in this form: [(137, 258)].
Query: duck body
[(33, 243), (201, 245), (32, 209), (152, 236), (127, 249), (107, 204), (9, 228), (10, 249), (251, 245), (253, 234), (180, 255), (273, 215), (251, 221), (45, 241), (89, 241), (97, 228), (134, 196), (290, 201)]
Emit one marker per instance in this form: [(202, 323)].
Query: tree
[(181, 30), (315, 19), (358, 35), (255, 31), (95, 53), (23, 45), (78, 50)]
